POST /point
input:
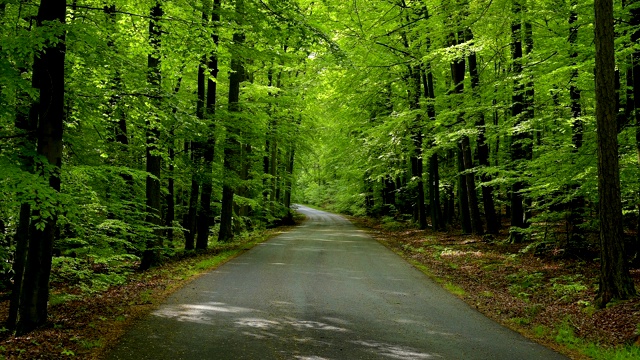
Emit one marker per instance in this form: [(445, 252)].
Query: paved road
[(325, 290)]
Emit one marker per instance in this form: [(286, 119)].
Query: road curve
[(324, 290)]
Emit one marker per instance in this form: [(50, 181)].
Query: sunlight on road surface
[(257, 323), (299, 325), (395, 352), (396, 293), (319, 249), (327, 240), (315, 325), (198, 313)]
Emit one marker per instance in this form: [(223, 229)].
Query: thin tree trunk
[(170, 199), (150, 256), (493, 224), (416, 157), (615, 281), (196, 158), (20, 257), (470, 215), (205, 215), (518, 148), (232, 146), (476, 221), (437, 220)]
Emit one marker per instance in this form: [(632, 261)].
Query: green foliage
[(523, 284), (564, 334), (567, 287), (92, 275)]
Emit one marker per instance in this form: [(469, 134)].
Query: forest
[(132, 131)]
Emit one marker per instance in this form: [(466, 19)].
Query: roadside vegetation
[(538, 292)]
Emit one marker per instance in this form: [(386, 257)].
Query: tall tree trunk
[(437, 220), (170, 215), (26, 120), (529, 112), (615, 281), (470, 215), (635, 75), (518, 147), (150, 256), (210, 145), (170, 199), (232, 145), (493, 224), (196, 157), (32, 310), (416, 156)]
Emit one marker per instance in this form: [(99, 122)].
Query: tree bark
[(518, 147), (476, 220), (150, 256), (26, 120), (470, 215), (416, 159), (196, 158), (635, 74), (493, 224), (615, 281), (463, 196), (32, 310), (437, 220), (576, 205), (232, 145), (205, 215)]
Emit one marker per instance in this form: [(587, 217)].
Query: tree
[(154, 158), (210, 144), (519, 144), (615, 281), (232, 145), (49, 65)]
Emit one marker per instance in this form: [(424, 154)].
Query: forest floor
[(86, 323), (546, 298)]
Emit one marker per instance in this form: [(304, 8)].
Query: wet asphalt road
[(324, 290)]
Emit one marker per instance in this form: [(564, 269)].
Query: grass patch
[(454, 289), (61, 298), (487, 294), (520, 321), (215, 261), (566, 336)]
